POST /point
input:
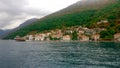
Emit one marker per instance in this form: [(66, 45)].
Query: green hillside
[(87, 17)]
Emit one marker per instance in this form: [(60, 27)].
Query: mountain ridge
[(73, 17), (4, 33), (80, 6)]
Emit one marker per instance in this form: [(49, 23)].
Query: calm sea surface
[(59, 54)]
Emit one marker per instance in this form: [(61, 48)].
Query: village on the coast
[(76, 33)]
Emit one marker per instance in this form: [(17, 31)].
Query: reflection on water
[(59, 54)]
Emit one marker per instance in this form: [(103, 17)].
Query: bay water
[(59, 54)]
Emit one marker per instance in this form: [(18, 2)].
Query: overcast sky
[(15, 12)]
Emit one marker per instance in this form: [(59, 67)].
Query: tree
[(117, 28), (74, 35), (107, 34)]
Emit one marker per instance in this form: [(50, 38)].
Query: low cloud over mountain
[(17, 11)]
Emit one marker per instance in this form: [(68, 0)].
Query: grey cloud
[(33, 11), (12, 10)]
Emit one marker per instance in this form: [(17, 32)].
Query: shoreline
[(68, 41), (61, 41)]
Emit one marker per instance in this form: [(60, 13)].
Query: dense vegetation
[(86, 17)]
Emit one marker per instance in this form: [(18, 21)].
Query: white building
[(40, 37), (66, 38), (30, 37), (84, 38)]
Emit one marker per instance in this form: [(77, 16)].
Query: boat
[(19, 39)]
